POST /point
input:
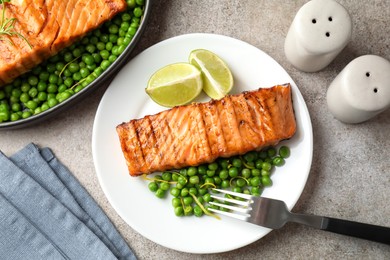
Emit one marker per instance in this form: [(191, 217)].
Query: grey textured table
[(350, 175)]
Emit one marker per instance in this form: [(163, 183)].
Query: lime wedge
[(216, 75), (175, 84)]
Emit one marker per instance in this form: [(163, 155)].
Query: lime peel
[(208, 213)]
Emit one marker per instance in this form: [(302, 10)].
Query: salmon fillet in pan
[(49, 26), (201, 132)]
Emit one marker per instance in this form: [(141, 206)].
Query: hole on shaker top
[(314, 21), (330, 18), (368, 74), (327, 34), (375, 90)]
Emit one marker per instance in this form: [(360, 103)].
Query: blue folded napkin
[(46, 214)]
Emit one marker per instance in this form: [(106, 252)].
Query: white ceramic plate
[(126, 99)]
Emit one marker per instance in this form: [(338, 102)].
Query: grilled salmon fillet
[(49, 26), (201, 132)]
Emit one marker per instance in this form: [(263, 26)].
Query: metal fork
[(272, 213)]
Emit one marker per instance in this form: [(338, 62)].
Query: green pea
[(42, 96), (175, 192), (67, 73), (112, 58), (182, 180), (165, 186), (59, 66), (105, 54), (284, 152), (237, 163), (255, 181), (137, 12), (31, 104), (52, 88), (77, 76), (4, 116), (90, 48), (225, 184), (209, 180), (140, 2), (237, 189), (202, 169), (184, 192), (131, 3), (37, 111), (52, 102), (278, 161), (24, 97), (224, 174), (210, 173), (179, 211), (126, 40), (50, 68), (73, 67), (265, 172), (271, 152), (26, 114), (256, 172), (188, 201), (193, 191), (25, 87), (246, 173), (45, 106), (96, 57), (266, 181), (105, 64), (62, 96), (98, 71), (101, 46), (263, 155), (15, 107), (131, 31), (255, 191), (224, 163), (84, 72), (180, 186), (160, 193), (16, 92), (192, 171), (176, 202), (68, 57), (213, 166), (266, 166), (77, 52), (241, 182), (14, 117), (198, 212), (217, 180), (194, 179), (33, 80), (250, 157), (33, 92), (233, 172), (207, 197), (88, 59), (2, 94)]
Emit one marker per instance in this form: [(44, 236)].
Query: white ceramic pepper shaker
[(361, 90), (318, 33)]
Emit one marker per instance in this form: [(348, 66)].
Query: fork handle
[(356, 229)]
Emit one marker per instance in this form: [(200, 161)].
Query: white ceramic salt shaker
[(318, 33), (361, 90)]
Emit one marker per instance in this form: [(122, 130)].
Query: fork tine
[(238, 202), (241, 195), (237, 209), (229, 214)]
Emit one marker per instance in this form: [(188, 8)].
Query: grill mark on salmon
[(49, 26), (200, 133)]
